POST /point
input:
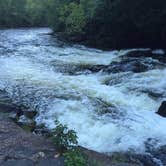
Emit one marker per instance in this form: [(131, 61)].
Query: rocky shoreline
[(21, 147)]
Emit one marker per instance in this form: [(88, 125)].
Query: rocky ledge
[(20, 148)]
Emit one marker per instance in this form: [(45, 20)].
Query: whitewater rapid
[(118, 116)]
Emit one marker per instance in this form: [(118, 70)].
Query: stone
[(19, 163), (21, 148), (6, 104), (162, 109), (26, 123), (51, 162), (30, 113)]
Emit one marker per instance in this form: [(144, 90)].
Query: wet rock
[(162, 109), (30, 113), (127, 65), (14, 116), (135, 65), (18, 147), (107, 109), (136, 61), (6, 105), (74, 69), (145, 159), (160, 154), (153, 93), (139, 53), (42, 131), (133, 159), (16, 112), (116, 78), (147, 53), (118, 159), (26, 123)]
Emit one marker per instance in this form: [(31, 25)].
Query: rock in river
[(6, 105), (162, 109)]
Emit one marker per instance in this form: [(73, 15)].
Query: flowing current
[(110, 111)]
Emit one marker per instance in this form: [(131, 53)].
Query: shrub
[(64, 138), (66, 143)]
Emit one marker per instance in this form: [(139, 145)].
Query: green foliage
[(16, 13), (36, 12), (65, 141), (76, 20), (70, 16), (74, 158), (64, 138), (124, 24), (106, 23), (89, 7), (12, 12)]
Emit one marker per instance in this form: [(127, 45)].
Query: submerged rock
[(126, 65), (75, 69), (139, 53), (147, 53), (162, 109)]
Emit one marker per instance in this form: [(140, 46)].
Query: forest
[(99, 23), (82, 82)]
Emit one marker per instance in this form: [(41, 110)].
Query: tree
[(76, 20)]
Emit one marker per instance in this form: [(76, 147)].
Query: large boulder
[(162, 109)]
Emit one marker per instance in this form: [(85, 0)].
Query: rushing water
[(110, 111)]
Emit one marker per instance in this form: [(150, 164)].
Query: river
[(110, 111)]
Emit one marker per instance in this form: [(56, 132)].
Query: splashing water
[(107, 117)]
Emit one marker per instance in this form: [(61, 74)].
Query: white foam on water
[(158, 51), (102, 133)]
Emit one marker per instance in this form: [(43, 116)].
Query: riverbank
[(103, 44), (115, 25), (21, 147)]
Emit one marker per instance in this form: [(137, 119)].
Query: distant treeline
[(101, 23), (22, 13)]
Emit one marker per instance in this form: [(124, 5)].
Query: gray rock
[(50, 162), (30, 113), (17, 145), (6, 105), (19, 163), (162, 110), (27, 124)]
